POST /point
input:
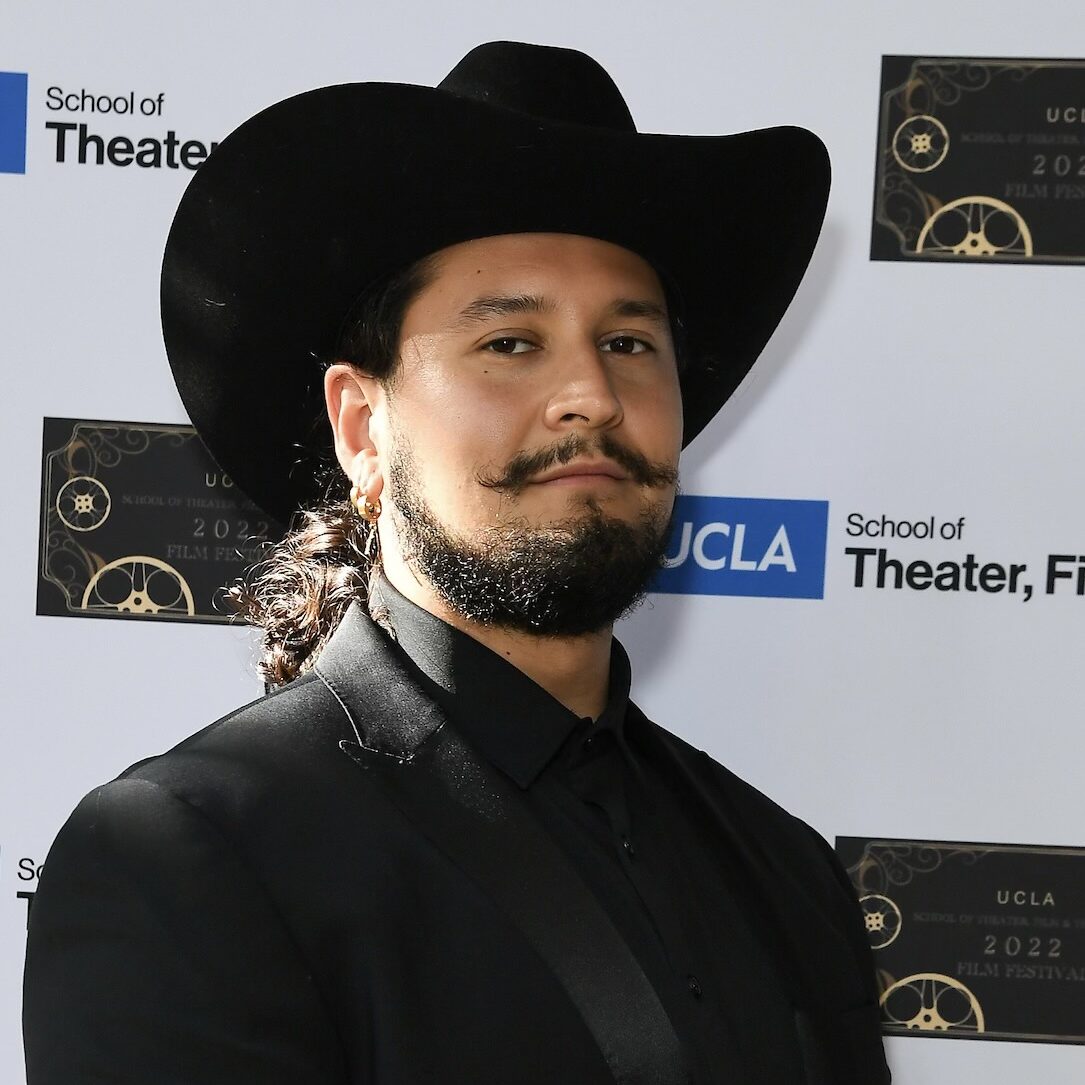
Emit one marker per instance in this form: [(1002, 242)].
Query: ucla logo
[(12, 122), (746, 546)]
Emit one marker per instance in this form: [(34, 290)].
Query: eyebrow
[(494, 306), (651, 310)]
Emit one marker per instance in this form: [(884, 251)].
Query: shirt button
[(694, 985), (628, 845), (589, 742)]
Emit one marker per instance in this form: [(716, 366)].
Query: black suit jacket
[(283, 898)]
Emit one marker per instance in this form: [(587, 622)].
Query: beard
[(569, 578)]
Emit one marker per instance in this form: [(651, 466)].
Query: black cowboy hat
[(317, 197)]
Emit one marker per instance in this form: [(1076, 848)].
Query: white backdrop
[(910, 390)]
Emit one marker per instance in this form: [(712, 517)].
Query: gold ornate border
[(978, 850), (1006, 63), (50, 464)]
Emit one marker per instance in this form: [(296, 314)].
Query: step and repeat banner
[(875, 592)]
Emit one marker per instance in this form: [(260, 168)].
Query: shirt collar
[(506, 716)]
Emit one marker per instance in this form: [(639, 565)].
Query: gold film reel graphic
[(920, 144), (931, 1002), (139, 585), (882, 919), (83, 503), (975, 226)]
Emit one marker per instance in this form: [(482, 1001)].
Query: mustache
[(524, 466)]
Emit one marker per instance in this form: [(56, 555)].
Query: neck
[(575, 671)]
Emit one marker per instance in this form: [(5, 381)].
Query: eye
[(626, 344), (508, 344)]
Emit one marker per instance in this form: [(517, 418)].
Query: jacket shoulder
[(261, 764), (775, 830), (301, 718), (289, 713), (741, 795)]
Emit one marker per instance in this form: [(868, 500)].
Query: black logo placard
[(137, 521), (974, 941), (980, 159)]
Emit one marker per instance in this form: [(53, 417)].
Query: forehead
[(565, 268)]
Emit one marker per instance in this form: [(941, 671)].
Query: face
[(536, 406)]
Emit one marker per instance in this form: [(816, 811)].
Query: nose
[(584, 394)]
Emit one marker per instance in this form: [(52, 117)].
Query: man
[(447, 847)]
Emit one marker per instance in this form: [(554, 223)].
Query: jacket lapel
[(480, 820)]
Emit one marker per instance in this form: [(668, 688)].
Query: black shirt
[(667, 886)]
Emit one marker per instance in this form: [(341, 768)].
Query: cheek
[(655, 412), (456, 433), (459, 400), (672, 416)]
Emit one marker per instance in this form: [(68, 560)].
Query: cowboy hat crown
[(542, 81)]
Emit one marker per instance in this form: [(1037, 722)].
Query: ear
[(352, 398)]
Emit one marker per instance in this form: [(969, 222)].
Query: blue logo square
[(746, 546), (12, 122)]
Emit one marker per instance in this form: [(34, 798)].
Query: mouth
[(582, 472)]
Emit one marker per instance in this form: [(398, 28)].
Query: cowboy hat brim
[(316, 197)]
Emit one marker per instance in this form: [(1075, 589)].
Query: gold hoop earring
[(367, 510)]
